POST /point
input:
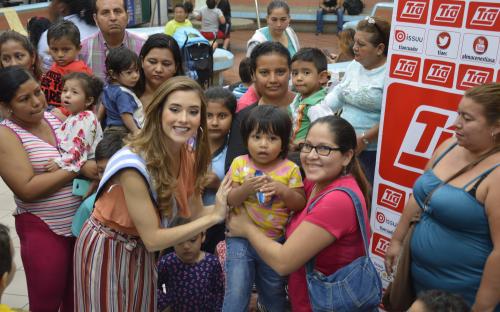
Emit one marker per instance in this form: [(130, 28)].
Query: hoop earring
[(202, 132)]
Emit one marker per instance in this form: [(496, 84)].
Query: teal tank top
[(452, 241)]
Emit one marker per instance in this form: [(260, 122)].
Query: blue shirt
[(217, 167), (117, 102)]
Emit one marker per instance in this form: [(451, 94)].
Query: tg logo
[(429, 127)]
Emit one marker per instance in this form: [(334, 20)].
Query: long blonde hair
[(153, 145)]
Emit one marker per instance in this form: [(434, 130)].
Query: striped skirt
[(113, 271)]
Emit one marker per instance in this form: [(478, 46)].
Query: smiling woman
[(147, 185)]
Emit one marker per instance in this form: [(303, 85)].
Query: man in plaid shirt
[(111, 17)]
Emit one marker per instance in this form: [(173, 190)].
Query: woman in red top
[(330, 231)]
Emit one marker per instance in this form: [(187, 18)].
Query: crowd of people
[(137, 190)]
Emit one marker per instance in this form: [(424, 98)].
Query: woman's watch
[(364, 139)]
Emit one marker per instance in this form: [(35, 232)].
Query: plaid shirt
[(94, 51)]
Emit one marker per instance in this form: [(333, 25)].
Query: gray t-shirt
[(210, 19)]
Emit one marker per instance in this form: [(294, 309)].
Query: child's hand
[(273, 188), (253, 184), (51, 166)]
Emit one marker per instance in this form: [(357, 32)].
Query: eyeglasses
[(322, 150)]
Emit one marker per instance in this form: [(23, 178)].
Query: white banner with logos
[(437, 49)]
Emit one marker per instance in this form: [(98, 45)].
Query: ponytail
[(360, 177)]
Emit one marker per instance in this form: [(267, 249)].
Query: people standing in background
[(277, 29), (309, 73), (111, 16), (161, 60), (211, 17), (180, 20), (79, 12), (16, 49), (35, 27), (123, 109), (64, 46), (330, 6), (359, 94), (225, 7), (221, 106), (270, 68)]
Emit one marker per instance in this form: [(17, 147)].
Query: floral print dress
[(77, 139)]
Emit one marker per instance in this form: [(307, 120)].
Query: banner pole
[(257, 12)]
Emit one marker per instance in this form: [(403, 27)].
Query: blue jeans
[(243, 268), (368, 161), (319, 19)]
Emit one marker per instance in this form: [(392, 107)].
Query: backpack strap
[(359, 215)]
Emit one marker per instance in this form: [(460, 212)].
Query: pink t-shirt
[(247, 99), (336, 214)]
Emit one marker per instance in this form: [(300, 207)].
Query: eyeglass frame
[(315, 147)]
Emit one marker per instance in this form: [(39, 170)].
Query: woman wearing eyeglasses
[(359, 94), (330, 230)]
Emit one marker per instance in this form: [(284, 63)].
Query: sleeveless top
[(452, 241), (110, 206), (56, 210)]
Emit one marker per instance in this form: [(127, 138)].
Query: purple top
[(190, 287)]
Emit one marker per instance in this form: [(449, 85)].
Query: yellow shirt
[(272, 216), (172, 26)]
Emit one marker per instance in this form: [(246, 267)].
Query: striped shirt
[(56, 210), (94, 51)]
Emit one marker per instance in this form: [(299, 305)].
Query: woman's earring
[(201, 130)]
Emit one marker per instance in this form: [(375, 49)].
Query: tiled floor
[(16, 294)]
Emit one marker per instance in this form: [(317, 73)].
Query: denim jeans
[(243, 268), (319, 19), (368, 160)]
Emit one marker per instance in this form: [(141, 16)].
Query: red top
[(336, 214), (51, 81), (247, 99)]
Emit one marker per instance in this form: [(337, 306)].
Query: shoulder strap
[(481, 176), (438, 159), (124, 159), (359, 215)]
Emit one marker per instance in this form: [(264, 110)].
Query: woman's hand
[(392, 255), (220, 208), (360, 145), (238, 224)]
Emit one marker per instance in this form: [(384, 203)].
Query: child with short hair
[(190, 279), (78, 136), (309, 74), (7, 265), (123, 109), (242, 87), (269, 187), (107, 147), (211, 17), (180, 19), (438, 301), (64, 46), (221, 106)]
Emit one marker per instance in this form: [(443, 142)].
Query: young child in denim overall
[(270, 188)]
